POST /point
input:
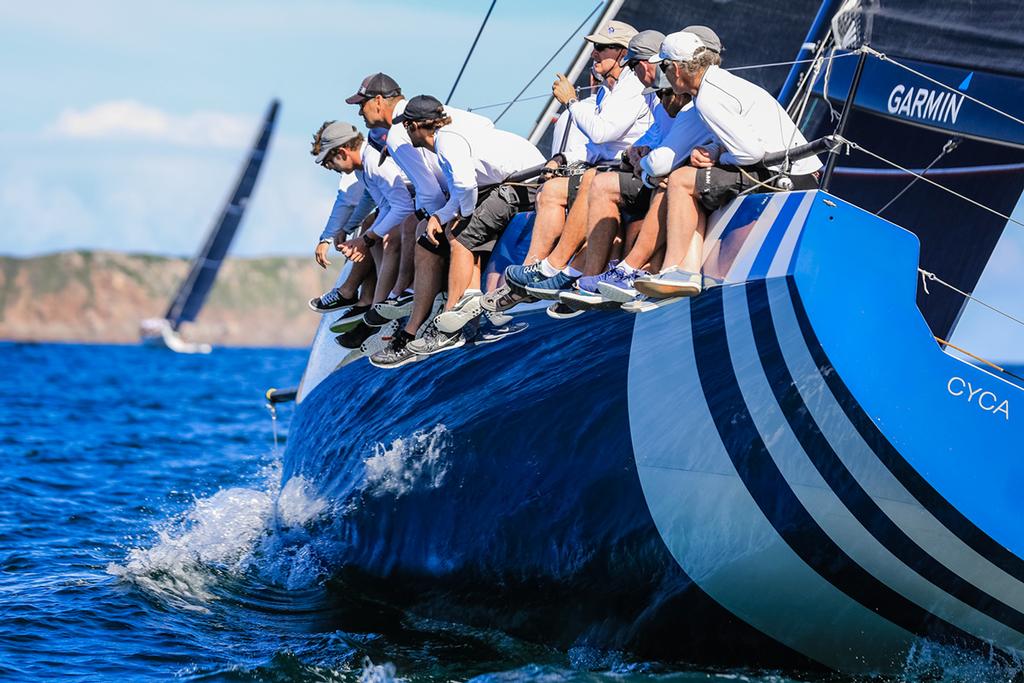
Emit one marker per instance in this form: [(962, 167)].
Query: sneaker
[(491, 332), (618, 285), (330, 301), (356, 336), (550, 287), (642, 304), (432, 340), (524, 276), (497, 319), (671, 282), (349, 319), (465, 310), (395, 307), (502, 299), (381, 339), (561, 311), (396, 352), (375, 319)]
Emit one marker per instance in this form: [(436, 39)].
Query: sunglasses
[(664, 66), (633, 63)]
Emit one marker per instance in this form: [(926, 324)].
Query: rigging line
[(950, 145), (885, 58), (977, 358), (527, 99), (853, 145), (470, 53), (550, 59), (932, 277), (587, 87)]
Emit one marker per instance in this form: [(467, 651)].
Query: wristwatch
[(368, 239)]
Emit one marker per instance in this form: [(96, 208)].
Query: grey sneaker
[(433, 340), (395, 308), (642, 304), (464, 311), (396, 352), (381, 339), (502, 299), (671, 282)]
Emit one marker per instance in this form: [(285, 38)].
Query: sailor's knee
[(553, 193), (682, 179), (605, 186)]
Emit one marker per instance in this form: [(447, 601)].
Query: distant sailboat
[(192, 293)]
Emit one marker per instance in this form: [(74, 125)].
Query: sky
[(124, 124)]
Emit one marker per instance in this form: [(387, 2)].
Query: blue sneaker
[(617, 284), (524, 276), (551, 287)]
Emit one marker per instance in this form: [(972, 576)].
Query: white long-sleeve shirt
[(420, 165), (350, 191), (619, 119), (471, 157), (389, 188), (747, 121), (576, 141), (686, 132)]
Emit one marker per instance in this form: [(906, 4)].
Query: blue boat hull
[(731, 474)]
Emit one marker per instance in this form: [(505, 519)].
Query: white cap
[(678, 47)]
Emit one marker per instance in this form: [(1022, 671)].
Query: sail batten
[(191, 296)]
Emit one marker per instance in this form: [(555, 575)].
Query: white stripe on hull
[(872, 474), (714, 528), (822, 503)]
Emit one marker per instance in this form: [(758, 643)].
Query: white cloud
[(131, 120)]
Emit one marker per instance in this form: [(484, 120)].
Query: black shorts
[(636, 197), (719, 185), (494, 210)]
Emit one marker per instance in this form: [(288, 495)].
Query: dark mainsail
[(977, 50), (193, 292), (752, 31)]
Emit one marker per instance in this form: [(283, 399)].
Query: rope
[(932, 277), (854, 145), (587, 87), (976, 357), (470, 53), (950, 145), (550, 59), (881, 56)]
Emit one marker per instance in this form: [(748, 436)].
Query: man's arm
[(456, 158), (688, 131), (412, 163), (619, 111), (720, 111), (396, 197)]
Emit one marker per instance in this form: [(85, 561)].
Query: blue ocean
[(144, 535)]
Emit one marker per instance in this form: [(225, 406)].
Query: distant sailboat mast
[(192, 294)]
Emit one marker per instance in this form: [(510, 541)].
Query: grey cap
[(644, 45), (660, 83), (336, 134), (707, 36)]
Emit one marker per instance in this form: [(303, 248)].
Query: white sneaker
[(467, 309)]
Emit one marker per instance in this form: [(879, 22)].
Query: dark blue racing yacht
[(792, 468)]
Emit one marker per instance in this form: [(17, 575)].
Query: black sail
[(976, 50), (203, 271)]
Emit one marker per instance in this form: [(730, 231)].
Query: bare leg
[(551, 201), (694, 256), (684, 215), (356, 276), (461, 272), (427, 285), (407, 262), (369, 287), (652, 232), (602, 221), (387, 255), (574, 233), (632, 232)]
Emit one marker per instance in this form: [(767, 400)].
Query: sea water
[(145, 535)]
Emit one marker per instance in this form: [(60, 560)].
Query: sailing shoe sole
[(560, 311), (393, 310), (655, 288), (465, 311), (616, 293), (582, 301), (645, 305)]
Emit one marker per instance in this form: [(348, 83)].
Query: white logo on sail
[(941, 106)]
